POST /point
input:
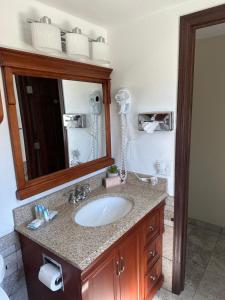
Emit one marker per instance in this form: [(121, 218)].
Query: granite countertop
[(79, 245)]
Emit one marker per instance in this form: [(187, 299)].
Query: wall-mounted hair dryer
[(96, 103), (96, 106), (123, 98)]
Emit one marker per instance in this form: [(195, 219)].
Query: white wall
[(145, 59), (207, 172), (14, 33)]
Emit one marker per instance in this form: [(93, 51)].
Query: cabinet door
[(129, 267), (103, 282)]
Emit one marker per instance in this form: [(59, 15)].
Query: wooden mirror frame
[(15, 62)]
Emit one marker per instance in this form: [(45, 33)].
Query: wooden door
[(41, 115), (102, 282), (129, 267)]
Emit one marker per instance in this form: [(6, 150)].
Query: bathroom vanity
[(131, 268), (122, 260)]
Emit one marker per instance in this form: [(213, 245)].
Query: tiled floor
[(205, 267), (21, 291)]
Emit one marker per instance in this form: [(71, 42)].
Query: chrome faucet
[(79, 194)]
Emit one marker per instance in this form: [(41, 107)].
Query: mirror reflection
[(61, 123)]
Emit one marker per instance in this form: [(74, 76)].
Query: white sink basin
[(103, 211)]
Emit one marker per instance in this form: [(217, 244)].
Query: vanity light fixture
[(77, 44), (45, 36), (51, 38), (100, 50)]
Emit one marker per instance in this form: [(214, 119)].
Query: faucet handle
[(72, 198), (78, 189), (87, 188)]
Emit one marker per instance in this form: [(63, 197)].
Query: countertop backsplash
[(25, 213)]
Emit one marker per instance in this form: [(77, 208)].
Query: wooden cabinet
[(131, 269), (128, 251), (116, 275), (133, 264), (150, 249), (33, 260), (102, 281)]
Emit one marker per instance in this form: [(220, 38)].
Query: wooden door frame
[(188, 26)]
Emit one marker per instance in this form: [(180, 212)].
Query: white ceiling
[(110, 12)]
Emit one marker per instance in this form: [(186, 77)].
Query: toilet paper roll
[(51, 277)]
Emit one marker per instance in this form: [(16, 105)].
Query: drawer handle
[(151, 228), (153, 253), (117, 268), (153, 278), (122, 265), (85, 287)]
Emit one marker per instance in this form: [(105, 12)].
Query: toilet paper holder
[(164, 119), (47, 260)]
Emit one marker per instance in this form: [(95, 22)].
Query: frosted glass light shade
[(46, 37), (100, 52), (77, 45)]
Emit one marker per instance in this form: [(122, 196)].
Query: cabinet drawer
[(152, 226), (153, 277), (153, 251)]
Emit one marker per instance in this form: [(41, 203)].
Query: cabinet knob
[(153, 278), (153, 253), (151, 228)]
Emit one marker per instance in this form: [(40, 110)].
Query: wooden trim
[(1, 109), (45, 183), (42, 63), (54, 75), (23, 63), (188, 26), (13, 126)]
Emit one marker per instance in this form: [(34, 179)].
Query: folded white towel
[(150, 127)]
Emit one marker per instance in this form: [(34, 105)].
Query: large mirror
[(61, 123), (59, 119)]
